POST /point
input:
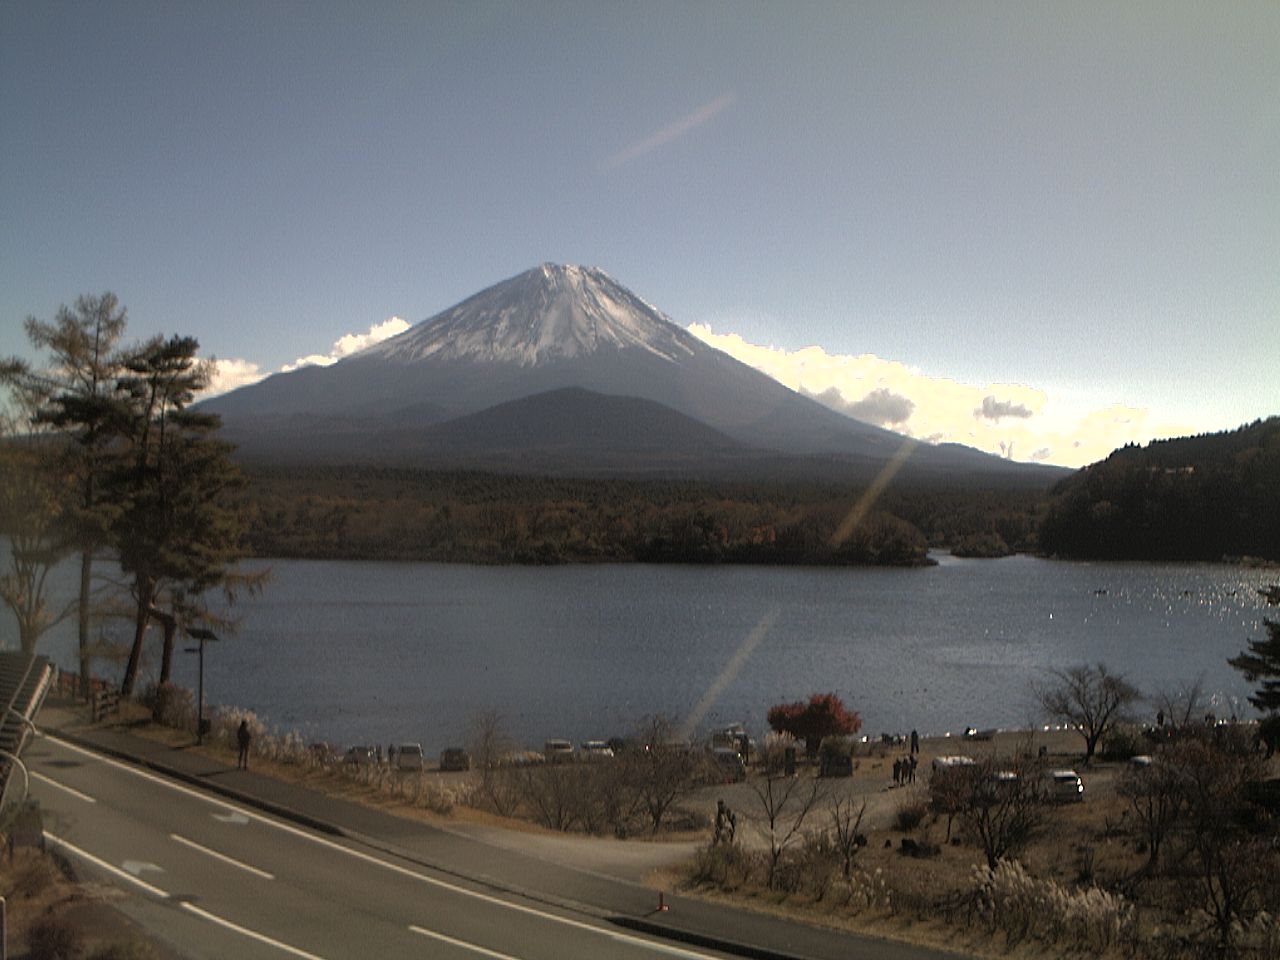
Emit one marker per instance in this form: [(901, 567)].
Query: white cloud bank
[(230, 374), (1009, 419)]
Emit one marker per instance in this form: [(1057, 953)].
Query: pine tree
[(75, 396), (174, 534), (1262, 660)]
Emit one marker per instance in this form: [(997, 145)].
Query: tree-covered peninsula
[(1206, 497)]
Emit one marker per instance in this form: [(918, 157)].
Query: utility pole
[(202, 635)]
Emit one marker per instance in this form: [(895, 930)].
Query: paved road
[(218, 880)]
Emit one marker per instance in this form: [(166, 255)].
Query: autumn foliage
[(824, 715)]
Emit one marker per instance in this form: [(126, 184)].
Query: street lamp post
[(202, 635)]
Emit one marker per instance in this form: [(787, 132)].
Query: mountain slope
[(547, 329)]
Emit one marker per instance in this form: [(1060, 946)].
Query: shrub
[(910, 814), (171, 705), (1122, 743), (435, 798), (866, 890), (53, 939), (725, 866), (226, 722), (1021, 906)]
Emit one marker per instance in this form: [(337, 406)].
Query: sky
[(1044, 229)]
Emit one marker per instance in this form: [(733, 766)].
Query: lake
[(376, 652)]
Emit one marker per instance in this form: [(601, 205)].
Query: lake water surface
[(378, 652)]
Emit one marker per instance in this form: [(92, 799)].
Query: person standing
[(243, 739), (915, 742)]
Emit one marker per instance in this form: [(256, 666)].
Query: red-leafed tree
[(824, 715)]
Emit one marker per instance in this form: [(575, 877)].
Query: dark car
[(454, 759)]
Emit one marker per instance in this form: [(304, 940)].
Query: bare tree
[(1181, 705), (34, 502), (1002, 810), (784, 803), (1091, 699), (490, 744), (1233, 867), (661, 770), (1156, 797), (845, 825), (551, 792)]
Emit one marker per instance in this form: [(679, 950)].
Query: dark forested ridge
[(1196, 498), (366, 512)]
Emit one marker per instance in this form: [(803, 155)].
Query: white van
[(558, 751), (409, 756)]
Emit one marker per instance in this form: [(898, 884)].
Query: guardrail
[(68, 685)]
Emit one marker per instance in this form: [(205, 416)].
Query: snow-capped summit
[(552, 312)]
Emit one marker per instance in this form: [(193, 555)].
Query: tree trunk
[(146, 592), (170, 624)]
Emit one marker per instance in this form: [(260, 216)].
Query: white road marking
[(109, 867), (239, 819), (246, 932), (139, 867), (190, 907), (221, 856), (62, 786), (387, 865), (474, 948)]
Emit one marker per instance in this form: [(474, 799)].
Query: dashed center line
[(230, 861), (465, 945)]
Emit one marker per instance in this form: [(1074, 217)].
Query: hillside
[(1195, 498)]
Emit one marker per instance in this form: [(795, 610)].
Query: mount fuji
[(563, 368)]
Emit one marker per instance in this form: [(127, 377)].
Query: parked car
[(729, 764), (360, 756), (945, 765), (409, 756), (558, 751), (454, 759), (1065, 786), (836, 765), (596, 750)]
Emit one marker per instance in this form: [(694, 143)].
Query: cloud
[(1060, 430), (670, 132), (350, 343), (230, 374), (993, 409), (881, 407)]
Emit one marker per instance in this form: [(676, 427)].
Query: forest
[(1206, 497), (365, 512)]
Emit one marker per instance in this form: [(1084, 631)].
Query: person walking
[(243, 739), (915, 742)]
